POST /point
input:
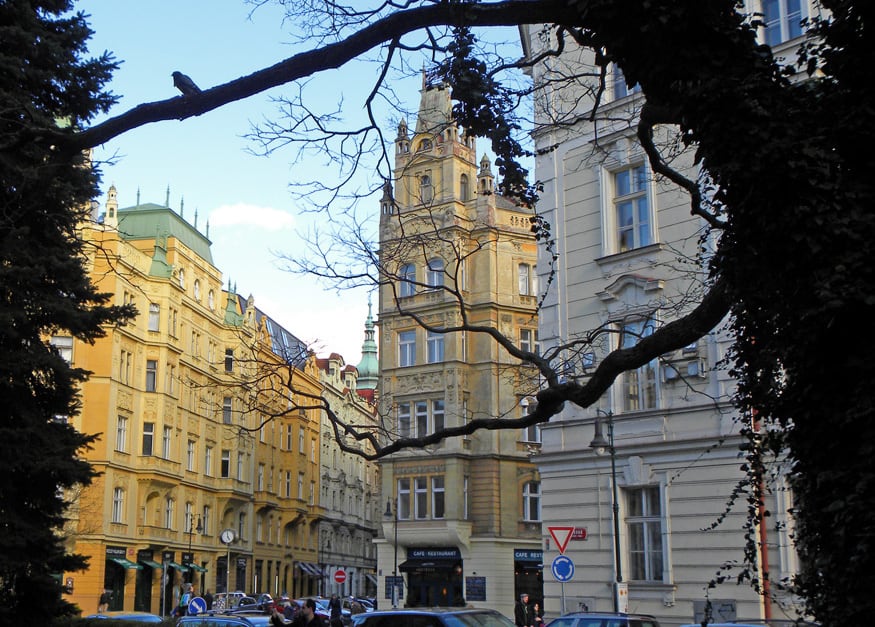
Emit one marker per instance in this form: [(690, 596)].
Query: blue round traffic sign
[(563, 568), (197, 606)]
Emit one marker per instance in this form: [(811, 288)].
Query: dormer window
[(424, 145)]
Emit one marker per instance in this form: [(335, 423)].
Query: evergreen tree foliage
[(44, 291)]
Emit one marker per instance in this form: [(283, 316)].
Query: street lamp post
[(599, 444), (323, 546), (393, 513), (191, 529)]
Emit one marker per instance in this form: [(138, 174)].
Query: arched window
[(426, 191), (197, 289), (182, 278), (463, 187), (435, 274), (407, 276)]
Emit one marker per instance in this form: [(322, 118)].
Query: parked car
[(603, 619), (454, 617), (263, 603), (228, 600), (218, 619), (140, 617)]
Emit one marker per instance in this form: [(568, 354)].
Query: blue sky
[(204, 161)]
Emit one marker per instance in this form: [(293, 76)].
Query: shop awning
[(125, 563), (426, 563), (310, 569), (199, 569), (371, 578), (152, 564), (178, 567)]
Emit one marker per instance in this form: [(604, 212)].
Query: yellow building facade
[(200, 440), (462, 522)]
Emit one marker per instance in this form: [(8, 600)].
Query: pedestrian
[(208, 599), (335, 611), (537, 614), (307, 616), (522, 613), (276, 618), (103, 602), (182, 608)]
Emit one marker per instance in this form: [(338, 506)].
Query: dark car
[(140, 617), (603, 619), (449, 617), (218, 619)]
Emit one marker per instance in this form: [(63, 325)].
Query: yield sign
[(561, 536)]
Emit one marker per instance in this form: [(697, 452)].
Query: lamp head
[(599, 442)]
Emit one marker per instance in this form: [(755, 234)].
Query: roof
[(147, 221)]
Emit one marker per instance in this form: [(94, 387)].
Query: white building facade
[(628, 263)]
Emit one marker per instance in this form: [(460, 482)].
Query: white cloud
[(243, 214)]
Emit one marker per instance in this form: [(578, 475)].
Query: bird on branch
[(184, 84)]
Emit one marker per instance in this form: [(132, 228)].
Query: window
[(241, 524), (301, 440), (644, 524), (288, 442), (406, 348), (532, 433), (426, 191), (313, 450), (527, 279), (182, 278), (435, 345), (170, 378), (148, 437), (420, 498), (197, 289), (621, 89), (64, 345), (529, 341), (300, 486), (465, 498), (229, 360), (437, 415), (208, 461), (166, 439), (260, 478), (532, 501), (189, 455), (225, 471), (151, 374), (783, 19), (118, 505), (226, 410), (121, 434), (403, 505), (463, 187), (435, 274), (211, 300), (154, 316), (173, 320), (404, 426), (638, 386), (407, 276), (632, 208), (168, 513), (205, 519), (437, 497), (288, 484), (240, 476)]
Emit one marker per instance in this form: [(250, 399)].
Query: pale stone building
[(627, 264), (462, 523)]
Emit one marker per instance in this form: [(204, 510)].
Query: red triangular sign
[(561, 536)]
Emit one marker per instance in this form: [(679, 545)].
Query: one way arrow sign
[(561, 536)]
